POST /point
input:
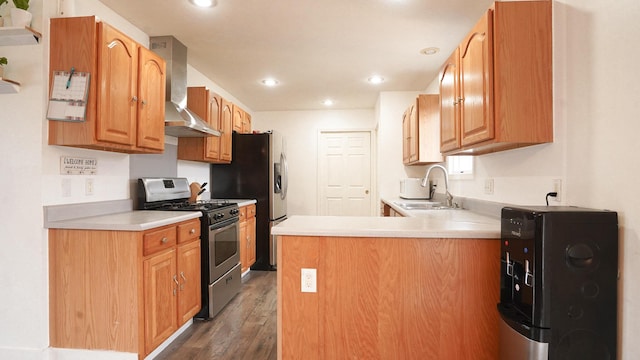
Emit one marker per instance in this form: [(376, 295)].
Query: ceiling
[(316, 49)]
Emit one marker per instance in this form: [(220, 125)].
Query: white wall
[(598, 92), (23, 259), (389, 110), (301, 129)]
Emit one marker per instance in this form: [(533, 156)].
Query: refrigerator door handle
[(285, 176)]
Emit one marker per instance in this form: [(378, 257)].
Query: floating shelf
[(9, 86), (10, 36)]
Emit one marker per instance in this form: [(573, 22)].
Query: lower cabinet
[(247, 236), (387, 210), (125, 291)]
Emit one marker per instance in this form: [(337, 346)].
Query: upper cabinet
[(226, 130), (125, 108), (496, 88), (420, 131), (449, 109), (217, 112), (241, 120)]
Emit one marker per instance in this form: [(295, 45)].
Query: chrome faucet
[(425, 182)]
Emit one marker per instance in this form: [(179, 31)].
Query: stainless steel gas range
[(220, 261)]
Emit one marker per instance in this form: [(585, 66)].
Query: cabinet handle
[(460, 100), (144, 102), (164, 240), (183, 278), (134, 99), (175, 279), (192, 231)]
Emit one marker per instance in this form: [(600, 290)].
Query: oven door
[(223, 248)]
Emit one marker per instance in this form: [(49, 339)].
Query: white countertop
[(125, 221), (462, 224)]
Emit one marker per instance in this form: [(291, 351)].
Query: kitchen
[(593, 153)]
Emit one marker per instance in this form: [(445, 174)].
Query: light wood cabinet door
[(189, 295), (421, 131), (161, 298), (476, 83), (406, 136), (151, 100), (238, 118), (251, 240), (212, 143), (243, 246), (449, 105), (414, 135), (226, 130), (247, 236), (246, 123), (118, 75), (207, 105)]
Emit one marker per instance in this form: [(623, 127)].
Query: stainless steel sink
[(423, 205)]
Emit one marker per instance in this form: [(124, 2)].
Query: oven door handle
[(220, 227)]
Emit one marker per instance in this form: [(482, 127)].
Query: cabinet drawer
[(251, 210), (243, 213), (188, 231), (158, 240)]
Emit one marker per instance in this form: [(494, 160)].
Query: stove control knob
[(218, 216), (234, 211)]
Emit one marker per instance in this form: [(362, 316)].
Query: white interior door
[(345, 173)]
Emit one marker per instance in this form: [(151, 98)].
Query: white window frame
[(460, 167)]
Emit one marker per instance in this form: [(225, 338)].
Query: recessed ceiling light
[(375, 79), (327, 102), (270, 82), (429, 51), (204, 3)]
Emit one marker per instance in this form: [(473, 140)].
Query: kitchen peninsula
[(389, 287)]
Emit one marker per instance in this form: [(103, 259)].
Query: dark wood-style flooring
[(244, 329)]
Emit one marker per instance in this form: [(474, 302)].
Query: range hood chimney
[(179, 121)]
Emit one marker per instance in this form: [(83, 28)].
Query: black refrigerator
[(558, 284), (258, 170)]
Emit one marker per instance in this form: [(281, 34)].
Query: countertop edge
[(467, 234), (240, 202), (126, 221), (439, 225)]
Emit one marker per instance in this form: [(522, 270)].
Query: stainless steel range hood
[(179, 121)]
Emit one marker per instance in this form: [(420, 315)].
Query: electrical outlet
[(88, 187), (308, 280), (488, 186), (557, 187)]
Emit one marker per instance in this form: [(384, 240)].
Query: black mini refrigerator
[(558, 284)]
